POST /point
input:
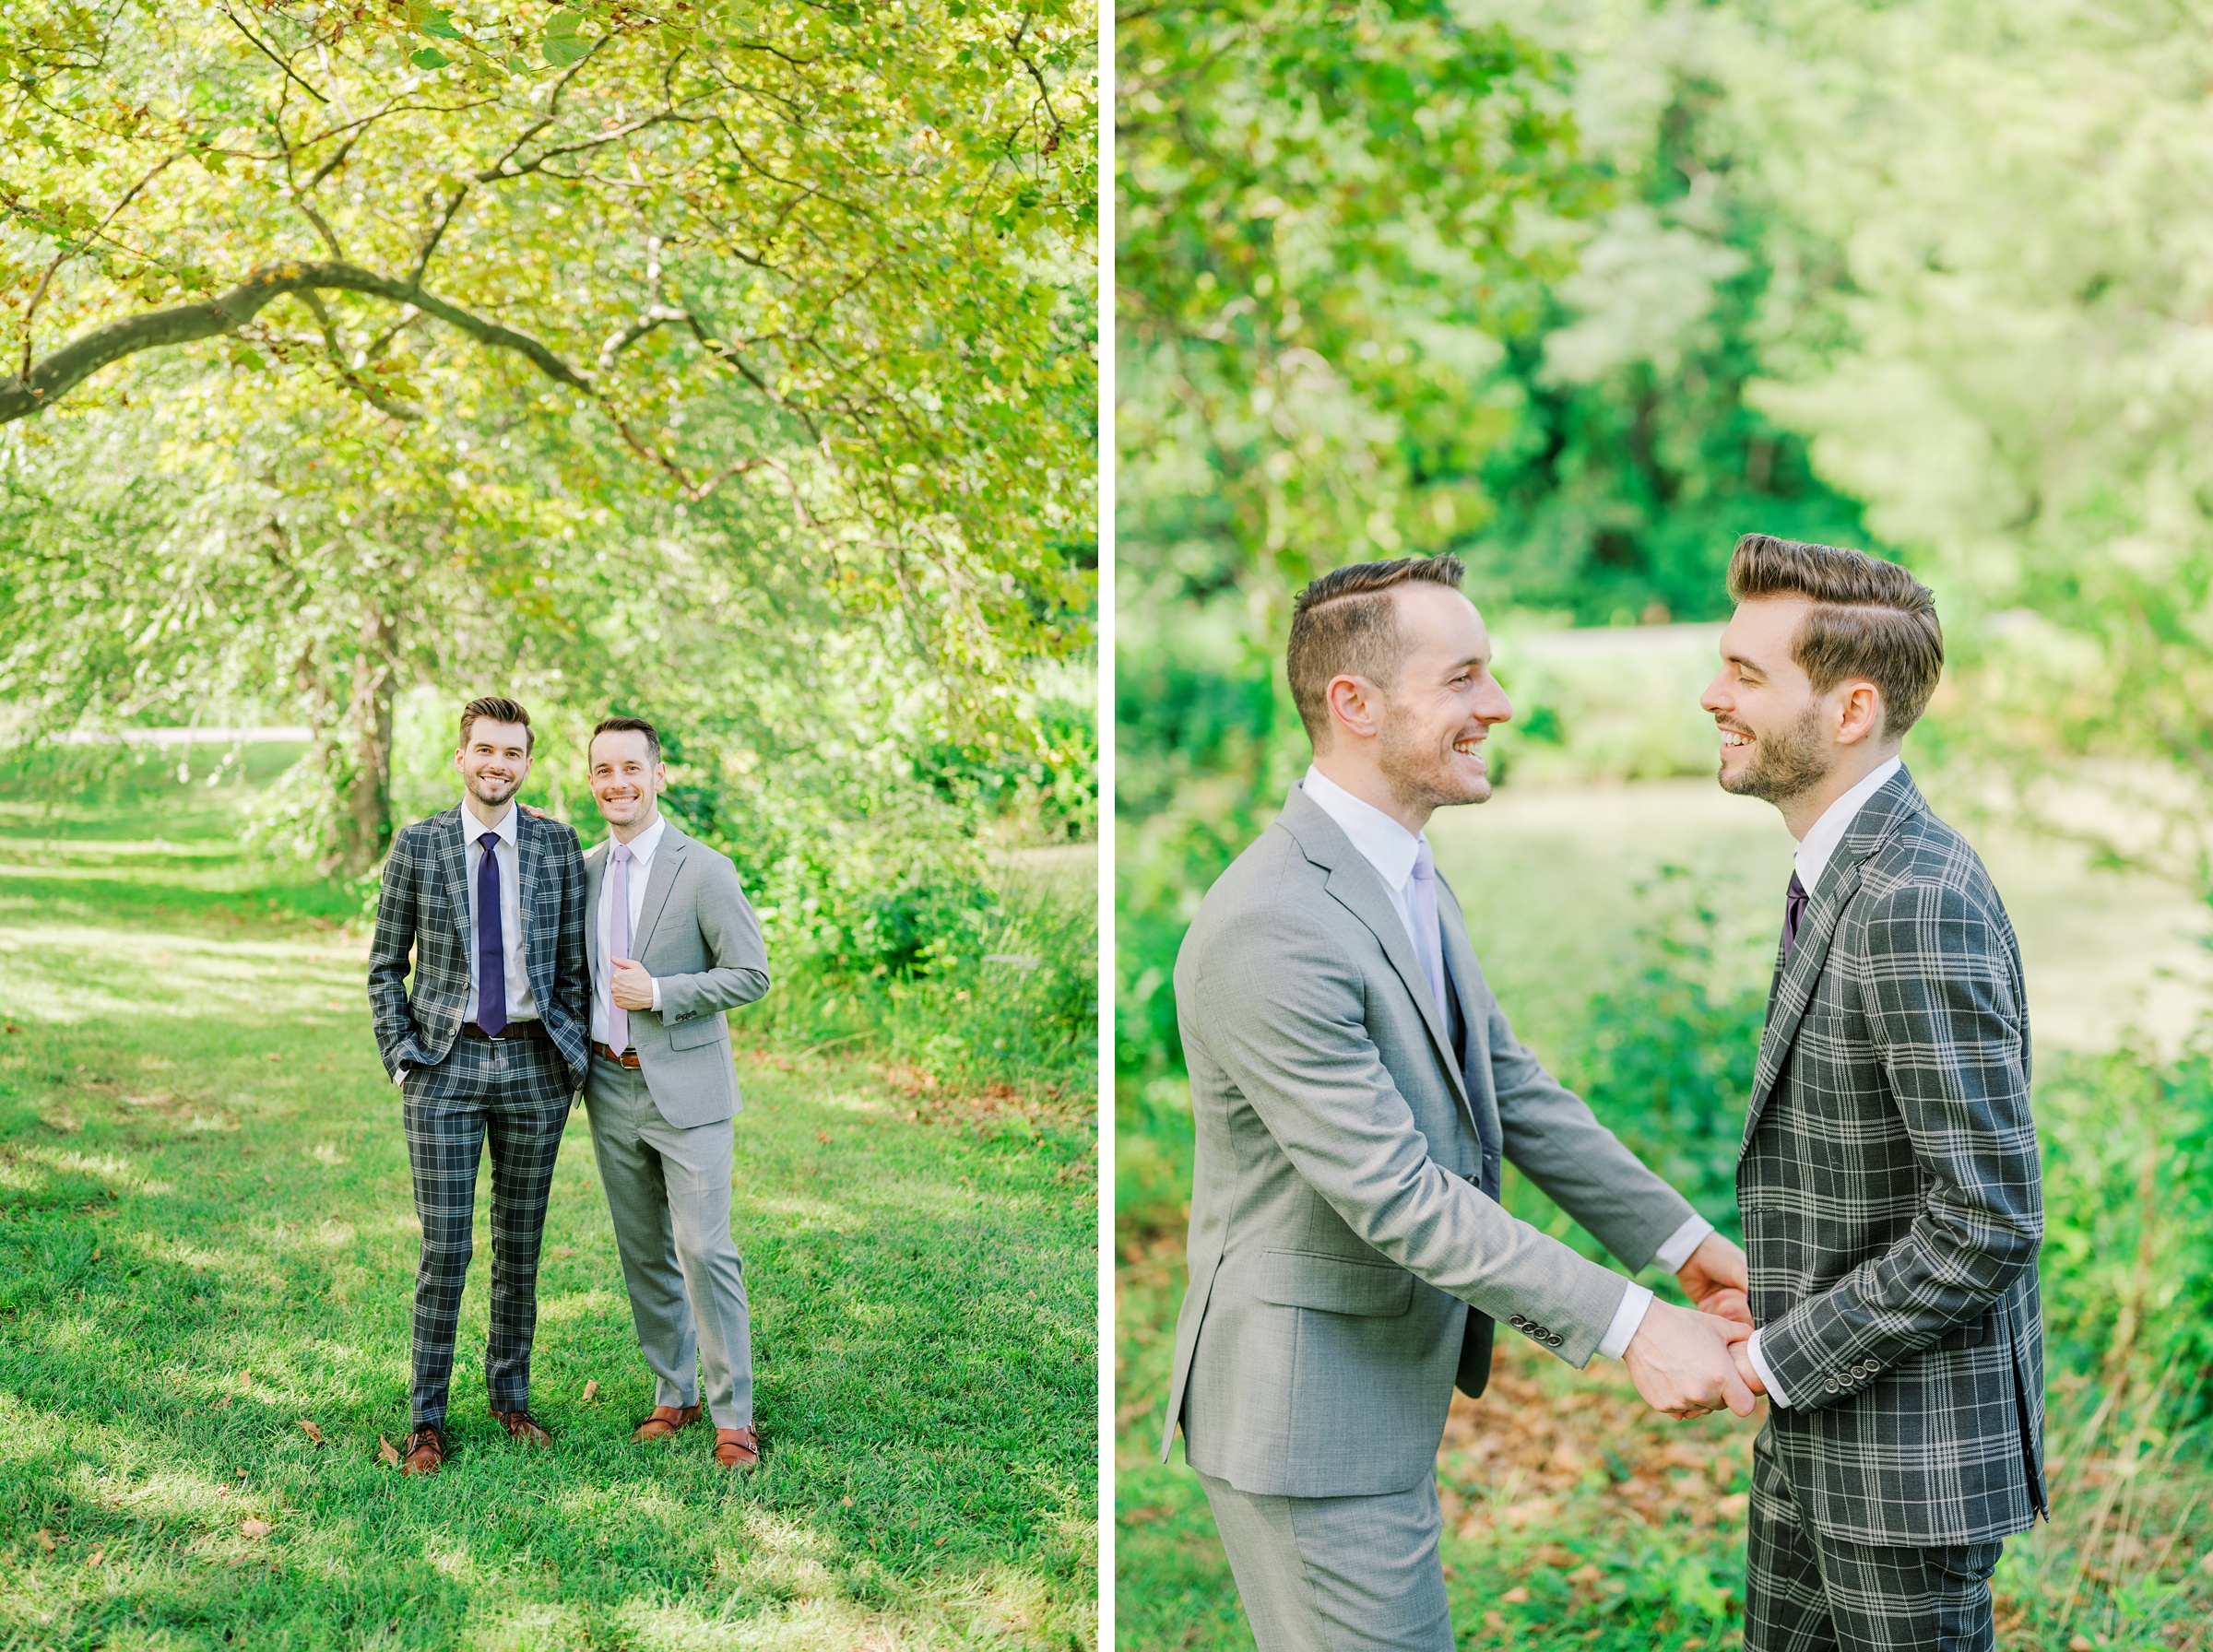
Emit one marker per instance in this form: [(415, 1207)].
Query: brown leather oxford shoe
[(737, 1448), (524, 1427), (664, 1420), (426, 1451)]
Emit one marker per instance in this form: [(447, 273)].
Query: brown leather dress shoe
[(737, 1448), (664, 1420), (426, 1451), (523, 1426)]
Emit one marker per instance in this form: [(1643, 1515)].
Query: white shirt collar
[(505, 825), (1820, 844), (643, 845), (1382, 841)]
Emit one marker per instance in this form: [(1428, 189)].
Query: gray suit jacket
[(697, 935), (1893, 1198), (1340, 1226)]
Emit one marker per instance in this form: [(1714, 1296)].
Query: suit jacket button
[(1556, 1338), (1517, 1322)]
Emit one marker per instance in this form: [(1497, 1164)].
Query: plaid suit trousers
[(514, 1095), (1805, 1591)]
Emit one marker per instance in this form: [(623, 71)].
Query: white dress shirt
[(1816, 849), (1389, 847), (521, 1006), (641, 867)]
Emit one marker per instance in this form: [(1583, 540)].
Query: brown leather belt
[(512, 1030), (626, 1058)]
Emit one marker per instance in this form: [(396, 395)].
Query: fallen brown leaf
[(591, 1391), (45, 1539), (386, 1451), (96, 1253), (1517, 1595), (310, 1430), (255, 1529), (13, 1028), (93, 1559), (1587, 1573)]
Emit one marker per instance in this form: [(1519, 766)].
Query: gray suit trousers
[(1337, 1574), (669, 1192)]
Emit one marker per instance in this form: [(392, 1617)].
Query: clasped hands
[(1687, 1362)]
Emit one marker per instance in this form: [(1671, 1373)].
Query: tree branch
[(62, 370)]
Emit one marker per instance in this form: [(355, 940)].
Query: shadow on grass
[(206, 1237)]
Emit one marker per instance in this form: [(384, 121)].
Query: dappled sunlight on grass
[(207, 1238)]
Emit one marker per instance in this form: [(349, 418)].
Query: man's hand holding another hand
[(1686, 1362), (1714, 1278)]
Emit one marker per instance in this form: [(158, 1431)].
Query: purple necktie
[(1794, 901), (491, 941), (1427, 939), (618, 946)]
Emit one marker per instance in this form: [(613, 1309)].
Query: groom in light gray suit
[(673, 944), (1356, 1088)]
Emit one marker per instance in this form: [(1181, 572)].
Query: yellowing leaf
[(255, 1528)]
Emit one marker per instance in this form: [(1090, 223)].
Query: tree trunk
[(365, 777)]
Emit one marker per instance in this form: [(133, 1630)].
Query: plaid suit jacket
[(423, 906), (1892, 1196)]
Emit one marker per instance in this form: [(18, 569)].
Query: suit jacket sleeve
[(388, 949), (1952, 1045), (1556, 1140), (740, 972), (572, 971), (1283, 1014)]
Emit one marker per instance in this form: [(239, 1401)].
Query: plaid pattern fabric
[(1892, 1196), (1805, 1591), (423, 908), (514, 1094)]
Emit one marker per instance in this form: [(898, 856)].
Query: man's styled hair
[(1345, 624), (497, 708), (1870, 618), (627, 726)]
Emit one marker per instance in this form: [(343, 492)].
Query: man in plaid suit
[(489, 1043), (1889, 1181)]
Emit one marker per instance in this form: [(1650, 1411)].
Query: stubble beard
[(489, 792), (1785, 765), (1416, 776)]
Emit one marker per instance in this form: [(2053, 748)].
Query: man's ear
[(1860, 716), (1351, 700)]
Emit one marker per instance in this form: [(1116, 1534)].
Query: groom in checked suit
[(487, 1045), (1889, 1181), (1356, 1088), (674, 944)]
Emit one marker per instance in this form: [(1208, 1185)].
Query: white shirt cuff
[(1682, 1242), (657, 994), (1767, 1378), (1626, 1318)]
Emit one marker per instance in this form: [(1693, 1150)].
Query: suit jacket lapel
[(1796, 980), (1359, 888), (1459, 959), (666, 858), (595, 870), (452, 854)]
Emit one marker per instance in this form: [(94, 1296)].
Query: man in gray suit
[(1356, 1088), (1889, 1179), (673, 944)]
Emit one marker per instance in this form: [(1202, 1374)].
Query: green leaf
[(247, 356), (563, 47), (430, 57), (440, 23)]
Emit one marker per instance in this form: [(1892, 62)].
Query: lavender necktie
[(491, 941), (618, 946), (1427, 939), (1794, 902)]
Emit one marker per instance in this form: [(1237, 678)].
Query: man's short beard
[(1784, 765), (1411, 772), (477, 787)]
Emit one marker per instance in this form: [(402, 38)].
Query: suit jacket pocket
[(690, 1034), (1298, 1279)]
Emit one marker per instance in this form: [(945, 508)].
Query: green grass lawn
[(207, 1239)]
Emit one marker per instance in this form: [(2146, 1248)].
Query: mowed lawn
[(208, 1240)]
